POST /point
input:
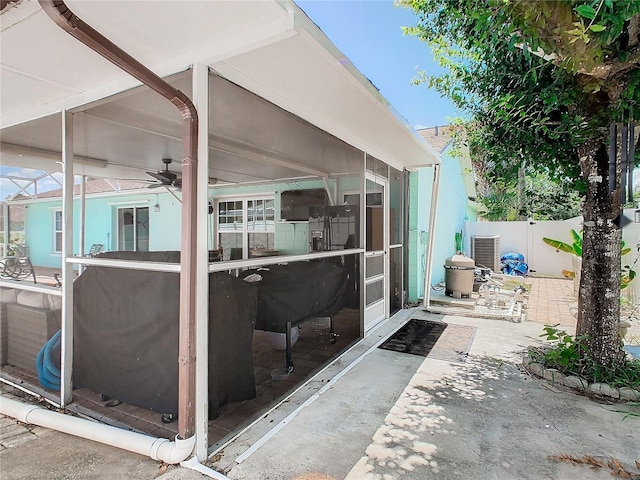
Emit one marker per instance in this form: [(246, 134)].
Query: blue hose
[(48, 361)]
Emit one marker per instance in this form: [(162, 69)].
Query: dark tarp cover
[(298, 291), (126, 336)]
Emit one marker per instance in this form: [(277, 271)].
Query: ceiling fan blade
[(164, 176), (157, 175)]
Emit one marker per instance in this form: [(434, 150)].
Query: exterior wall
[(164, 225), (290, 237), (420, 186), (452, 211), (100, 224)]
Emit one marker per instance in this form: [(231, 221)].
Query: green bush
[(569, 355)]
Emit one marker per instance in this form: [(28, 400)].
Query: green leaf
[(577, 237), (597, 28), (586, 11), (576, 32), (624, 251), (558, 245)]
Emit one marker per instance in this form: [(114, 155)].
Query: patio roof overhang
[(258, 50), (270, 48)]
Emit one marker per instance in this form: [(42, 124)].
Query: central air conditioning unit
[(485, 251)]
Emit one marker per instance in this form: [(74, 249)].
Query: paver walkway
[(551, 301)]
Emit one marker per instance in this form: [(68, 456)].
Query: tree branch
[(634, 31), (609, 69)]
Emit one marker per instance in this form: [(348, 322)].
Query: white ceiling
[(268, 47)]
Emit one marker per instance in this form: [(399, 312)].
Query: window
[(133, 229), (246, 225), (57, 231)]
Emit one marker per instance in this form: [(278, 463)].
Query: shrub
[(569, 355)]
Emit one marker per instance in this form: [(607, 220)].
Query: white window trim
[(55, 232), (135, 206), (245, 198)]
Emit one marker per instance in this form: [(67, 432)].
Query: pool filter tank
[(458, 276)]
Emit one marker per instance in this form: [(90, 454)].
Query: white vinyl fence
[(525, 237)]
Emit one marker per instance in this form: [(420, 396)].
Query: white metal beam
[(201, 102), (67, 268)]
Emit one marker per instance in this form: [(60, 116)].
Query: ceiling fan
[(165, 177)]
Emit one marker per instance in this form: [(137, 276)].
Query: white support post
[(330, 193), (363, 241), (82, 214), (5, 229), (67, 251), (431, 236), (201, 102)]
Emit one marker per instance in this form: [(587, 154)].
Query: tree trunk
[(599, 295)]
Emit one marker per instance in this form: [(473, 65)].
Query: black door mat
[(416, 337)]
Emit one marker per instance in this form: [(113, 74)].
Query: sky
[(369, 33)]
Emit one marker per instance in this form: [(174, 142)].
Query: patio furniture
[(95, 249), (27, 321), (126, 326), (291, 294), (17, 268)]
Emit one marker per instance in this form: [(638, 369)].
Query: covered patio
[(284, 124)]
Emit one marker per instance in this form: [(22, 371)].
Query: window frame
[(57, 233), (244, 229), (136, 240)]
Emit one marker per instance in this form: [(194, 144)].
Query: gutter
[(58, 11)]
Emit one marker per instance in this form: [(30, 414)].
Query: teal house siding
[(291, 238), (452, 210), (420, 188), (101, 220), (39, 233), (101, 224)]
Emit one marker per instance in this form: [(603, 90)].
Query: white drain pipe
[(431, 236), (157, 448)]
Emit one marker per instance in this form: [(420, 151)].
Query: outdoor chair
[(17, 268), (95, 249)]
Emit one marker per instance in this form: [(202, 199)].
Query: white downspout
[(431, 236), (157, 448)]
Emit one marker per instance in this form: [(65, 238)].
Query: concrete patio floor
[(380, 415)]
